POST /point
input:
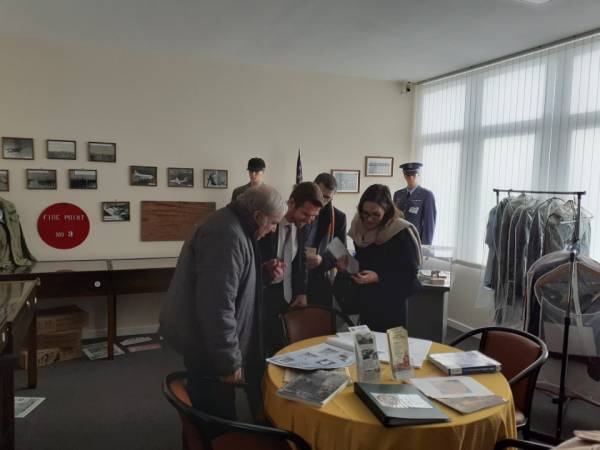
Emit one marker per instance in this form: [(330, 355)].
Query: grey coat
[(210, 309)]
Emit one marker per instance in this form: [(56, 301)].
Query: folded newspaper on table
[(418, 348), (321, 356), (338, 250)]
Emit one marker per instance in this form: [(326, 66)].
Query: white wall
[(181, 112)]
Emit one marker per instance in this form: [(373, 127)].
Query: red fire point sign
[(63, 225)]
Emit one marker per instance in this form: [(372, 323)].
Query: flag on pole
[(298, 169)]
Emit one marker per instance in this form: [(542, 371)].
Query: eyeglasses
[(365, 215)]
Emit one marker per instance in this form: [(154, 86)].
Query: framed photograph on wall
[(102, 151), (348, 181), (142, 175), (17, 148), (83, 179), (180, 177), (379, 166), (60, 149), (4, 185), (115, 212), (41, 179), (215, 179)]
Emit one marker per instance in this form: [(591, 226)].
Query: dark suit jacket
[(317, 233), (268, 251)]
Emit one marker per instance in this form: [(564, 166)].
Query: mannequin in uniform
[(417, 203)]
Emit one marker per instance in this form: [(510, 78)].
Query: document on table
[(418, 348), (450, 387), (338, 250)]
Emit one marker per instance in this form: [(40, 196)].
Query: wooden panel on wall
[(172, 221)]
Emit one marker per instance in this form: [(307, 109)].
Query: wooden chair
[(203, 431), (311, 321), (522, 355)]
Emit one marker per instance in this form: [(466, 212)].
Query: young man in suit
[(330, 223), (417, 203), (284, 261)]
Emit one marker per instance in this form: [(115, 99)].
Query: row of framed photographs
[(22, 148), (138, 176)]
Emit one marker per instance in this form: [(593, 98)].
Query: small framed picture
[(59, 149), (115, 211), (215, 179), (102, 151), (180, 177), (41, 179), (142, 175), (83, 179), (379, 166), (4, 185), (348, 181), (17, 148)]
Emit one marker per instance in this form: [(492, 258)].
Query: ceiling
[(380, 39)]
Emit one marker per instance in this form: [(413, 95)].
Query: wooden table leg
[(32, 349), (111, 307)]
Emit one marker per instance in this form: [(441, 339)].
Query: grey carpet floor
[(118, 404)]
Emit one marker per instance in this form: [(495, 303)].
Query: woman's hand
[(366, 277)]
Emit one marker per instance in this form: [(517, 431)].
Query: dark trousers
[(320, 291), (210, 395), (273, 305)]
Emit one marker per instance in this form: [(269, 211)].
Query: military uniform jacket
[(419, 210)]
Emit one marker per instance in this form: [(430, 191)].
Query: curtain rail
[(500, 59)]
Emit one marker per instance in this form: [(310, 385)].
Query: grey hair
[(262, 198)]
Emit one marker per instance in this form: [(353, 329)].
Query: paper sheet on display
[(450, 387), (339, 250)]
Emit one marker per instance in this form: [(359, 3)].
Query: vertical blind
[(531, 122)]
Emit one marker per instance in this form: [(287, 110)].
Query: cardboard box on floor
[(64, 318), (49, 356), (63, 340)]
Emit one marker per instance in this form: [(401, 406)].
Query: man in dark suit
[(417, 203), (330, 223), (284, 261)]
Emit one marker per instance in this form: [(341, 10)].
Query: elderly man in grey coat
[(211, 312)]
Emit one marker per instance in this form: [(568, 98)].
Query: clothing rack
[(560, 400)]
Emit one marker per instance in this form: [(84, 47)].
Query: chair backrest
[(311, 321), (203, 431), (521, 354)]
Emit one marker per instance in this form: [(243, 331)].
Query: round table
[(345, 423)]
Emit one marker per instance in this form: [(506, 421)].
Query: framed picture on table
[(348, 181)]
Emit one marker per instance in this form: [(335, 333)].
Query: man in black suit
[(284, 261), (330, 224)]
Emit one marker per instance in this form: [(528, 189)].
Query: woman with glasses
[(388, 250)]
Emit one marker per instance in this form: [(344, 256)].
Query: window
[(531, 122)]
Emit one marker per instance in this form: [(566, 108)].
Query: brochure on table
[(418, 348)]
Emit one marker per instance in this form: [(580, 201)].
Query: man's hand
[(342, 263), (365, 277), (235, 377), (313, 261), (299, 301), (273, 270)]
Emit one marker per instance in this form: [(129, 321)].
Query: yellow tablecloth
[(345, 423)]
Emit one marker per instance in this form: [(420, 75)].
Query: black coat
[(268, 250), (318, 232), (383, 305)]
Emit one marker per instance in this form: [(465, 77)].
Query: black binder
[(378, 400)]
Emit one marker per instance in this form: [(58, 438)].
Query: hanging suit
[(419, 209)]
